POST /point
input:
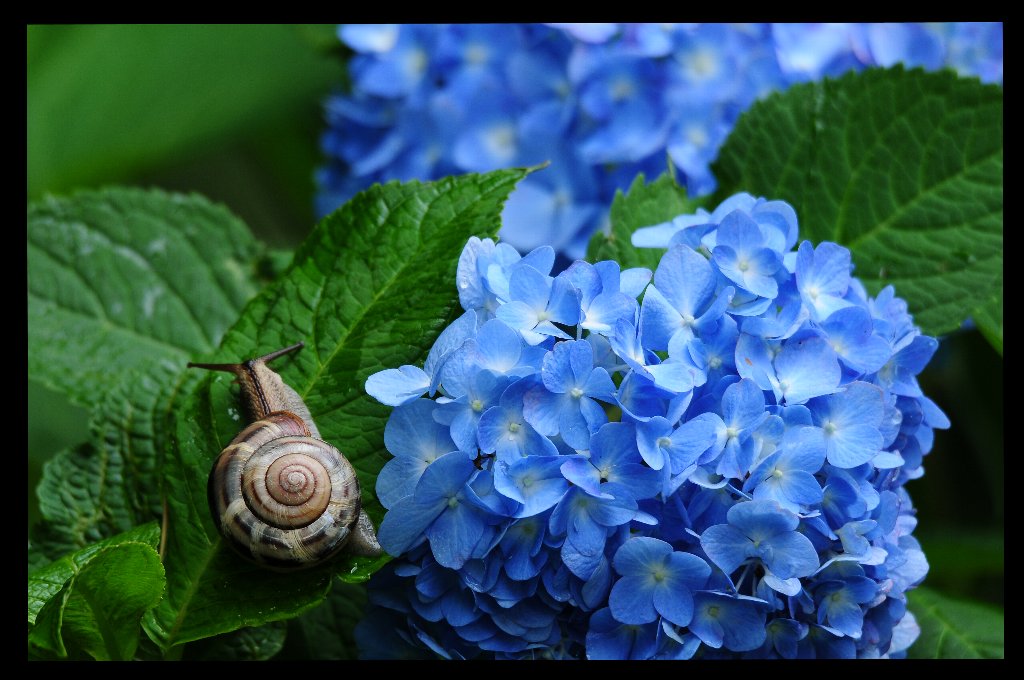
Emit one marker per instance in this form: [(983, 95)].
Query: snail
[(279, 494)]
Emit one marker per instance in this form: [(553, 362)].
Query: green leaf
[(112, 483), (370, 289), (44, 583), (140, 95), (955, 629), (122, 280), (905, 168), (643, 206), (97, 611), (91, 601), (327, 631)]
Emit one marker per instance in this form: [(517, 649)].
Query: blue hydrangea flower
[(716, 471), (602, 102)]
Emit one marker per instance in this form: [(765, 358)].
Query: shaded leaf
[(246, 644), (955, 629), (327, 632), (905, 168)]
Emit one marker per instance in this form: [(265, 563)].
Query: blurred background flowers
[(602, 102)]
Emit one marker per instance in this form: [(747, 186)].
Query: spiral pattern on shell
[(281, 497)]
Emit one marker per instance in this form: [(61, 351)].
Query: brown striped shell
[(279, 494)]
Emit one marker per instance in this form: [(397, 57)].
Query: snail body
[(279, 494)]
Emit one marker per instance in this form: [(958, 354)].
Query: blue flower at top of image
[(601, 102), (682, 463)]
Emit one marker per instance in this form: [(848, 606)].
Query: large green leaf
[(643, 206), (370, 289), (107, 100), (124, 279), (955, 629), (903, 167), (90, 602)]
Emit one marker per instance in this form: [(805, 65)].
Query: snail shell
[(279, 494)]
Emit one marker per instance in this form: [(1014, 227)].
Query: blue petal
[(674, 604), (444, 478), (640, 554), (790, 555), (405, 523), (454, 534), (726, 545), (632, 600), (762, 519), (398, 478), (557, 372), (534, 481)]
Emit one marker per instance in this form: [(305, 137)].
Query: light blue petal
[(573, 426), (518, 315), (599, 385), (807, 368), (397, 386), (686, 279), (659, 320), (451, 338), (853, 445), (412, 431), (743, 405), (564, 305), (580, 472), (639, 555), (542, 409), (498, 346), (760, 520), (633, 281), (674, 376), (581, 360), (786, 586), (801, 488), (541, 258)]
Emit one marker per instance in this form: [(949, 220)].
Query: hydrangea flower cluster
[(715, 471), (602, 102)]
